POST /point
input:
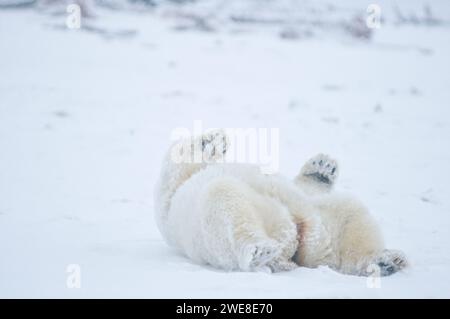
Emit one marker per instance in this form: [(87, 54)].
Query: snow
[(86, 115)]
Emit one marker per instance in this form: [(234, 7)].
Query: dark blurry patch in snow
[(414, 91), (61, 114), (150, 46), (175, 94), (294, 34), (357, 28), (378, 108), (425, 199), (331, 87), (102, 31), (428, 197), (402, 47), (71, 218), (293, 104), (5, 4), (425, 51), (189, 22), (122, 201), (330, 119), (60, 7), (110, 34), (422, 17), (256, 20)]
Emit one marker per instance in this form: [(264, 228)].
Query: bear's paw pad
[(321, 168)]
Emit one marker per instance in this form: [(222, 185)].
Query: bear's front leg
[(214, 146), (318, 174)]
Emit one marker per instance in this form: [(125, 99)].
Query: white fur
[(233, 217)]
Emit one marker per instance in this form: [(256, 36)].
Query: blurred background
[(91, 91)]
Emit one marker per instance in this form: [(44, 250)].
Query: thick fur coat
[(233, 217)]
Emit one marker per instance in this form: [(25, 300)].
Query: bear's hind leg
[(386, 262), (258, 254), (233, 232), (280, 226), (361, 247)]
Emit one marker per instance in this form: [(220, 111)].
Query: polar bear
[(233, 217)]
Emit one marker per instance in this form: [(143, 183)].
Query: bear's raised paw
[(321, 168)]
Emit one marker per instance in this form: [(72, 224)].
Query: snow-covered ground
[(86, 115)]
